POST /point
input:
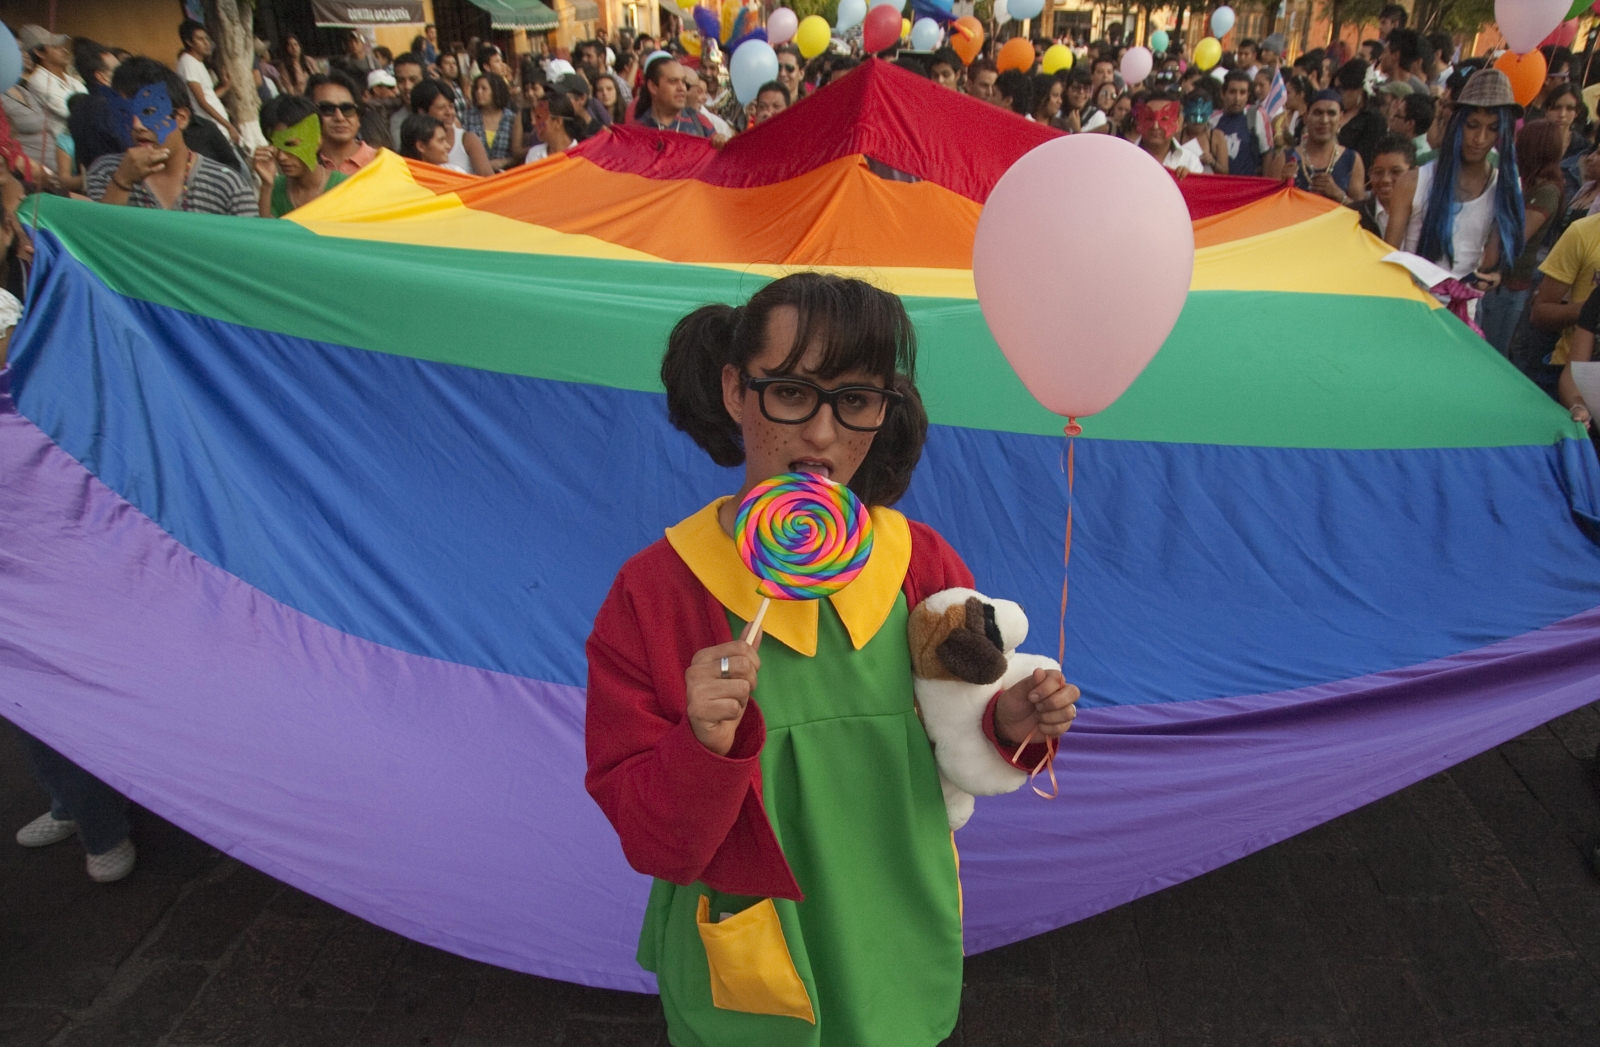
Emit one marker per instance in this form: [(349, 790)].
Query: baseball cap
[(1396, 87), (33, 37), (572, 84), (381, 78), (556, 68)]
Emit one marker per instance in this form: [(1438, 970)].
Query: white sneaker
[(45, 830), (114, 864)]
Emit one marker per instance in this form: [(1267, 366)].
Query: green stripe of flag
[(1270, 369)]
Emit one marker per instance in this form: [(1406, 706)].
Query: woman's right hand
[(716, 703)]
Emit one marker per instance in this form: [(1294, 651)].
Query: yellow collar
[(863, 605)]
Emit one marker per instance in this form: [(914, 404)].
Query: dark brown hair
[(857, 328)]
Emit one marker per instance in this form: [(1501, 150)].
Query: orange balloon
[(1016, 54), (967, 38), (1526, 73)]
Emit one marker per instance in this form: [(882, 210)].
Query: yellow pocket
[(751, 969)]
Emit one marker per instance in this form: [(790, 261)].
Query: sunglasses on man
[(333, 108)]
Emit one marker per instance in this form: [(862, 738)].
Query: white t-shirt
[(52, 91), (538, 152), (194, 71), (1179, 158)]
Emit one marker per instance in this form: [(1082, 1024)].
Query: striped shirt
[(211, 189)]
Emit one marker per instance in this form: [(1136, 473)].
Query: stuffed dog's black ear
[(968, 653)]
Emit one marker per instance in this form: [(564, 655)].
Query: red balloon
[(881, 30)]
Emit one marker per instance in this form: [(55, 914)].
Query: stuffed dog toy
[(963, 651)]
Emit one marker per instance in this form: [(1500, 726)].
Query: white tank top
[(1474, 219), (458, 154)]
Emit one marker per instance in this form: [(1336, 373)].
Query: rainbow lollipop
[(803, 536)]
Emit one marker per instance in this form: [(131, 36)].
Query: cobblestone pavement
[(1459, 912)]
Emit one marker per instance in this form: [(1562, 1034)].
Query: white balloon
[(925, 34), (1221, 22), (1025, 9), (1002, 12), (781, 26), (851, 12), (1526, 22), (1136, 65), (753, 64)]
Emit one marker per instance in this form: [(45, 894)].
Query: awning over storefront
[(518, 14), (360, 13)]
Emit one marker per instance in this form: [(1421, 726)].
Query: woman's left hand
[(1044, 702)]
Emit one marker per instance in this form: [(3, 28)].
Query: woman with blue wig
[(1456, 211)]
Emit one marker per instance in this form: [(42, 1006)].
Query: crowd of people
[(1427, 145)]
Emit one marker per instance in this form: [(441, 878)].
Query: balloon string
[(1047, 761), (1072, 430)]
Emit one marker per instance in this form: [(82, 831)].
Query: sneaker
[(45, 830), (114, 864)]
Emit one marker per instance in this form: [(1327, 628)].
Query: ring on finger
[(723, 667)]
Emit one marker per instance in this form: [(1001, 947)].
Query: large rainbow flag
[(303, 523)]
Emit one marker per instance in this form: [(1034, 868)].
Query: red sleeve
[(1031, 757), (681, 812)]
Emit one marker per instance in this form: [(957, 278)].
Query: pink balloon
[(782, 26), (1565, 33), (1136, 65), (1078, 326), (1525, 22), (881, 29)]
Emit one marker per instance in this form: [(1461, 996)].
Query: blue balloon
[(759, 33), (851, 12), (1021, 9), (1221, 22), (925, 34), (1159, 41), (754, 64), (896, 4), (10, 59)]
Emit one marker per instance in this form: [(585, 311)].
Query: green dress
[(850, 785)]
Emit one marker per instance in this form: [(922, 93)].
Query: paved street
[(1459, 912)]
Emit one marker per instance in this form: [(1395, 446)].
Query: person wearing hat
[(380, 104), (52, 81), (1456, 211), (576, 87), (1270, 53)]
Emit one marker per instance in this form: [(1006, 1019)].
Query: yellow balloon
[(1207, 52), (690, 42), (905, 28), (813, 35), (1056, 58)]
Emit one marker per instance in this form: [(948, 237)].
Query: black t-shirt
[(1363, 133), (1589, 318)]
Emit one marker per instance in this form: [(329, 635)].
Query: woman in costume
[(783, 792), (1456, 211)]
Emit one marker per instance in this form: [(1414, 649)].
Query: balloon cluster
[(804, 536), (1528, 25)]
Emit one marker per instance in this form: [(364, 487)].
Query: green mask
[(301, 141)]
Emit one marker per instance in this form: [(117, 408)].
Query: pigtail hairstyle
[(853, 326), (697, 349), (1439, 221)]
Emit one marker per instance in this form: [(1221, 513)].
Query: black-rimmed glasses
[(795, 401)]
